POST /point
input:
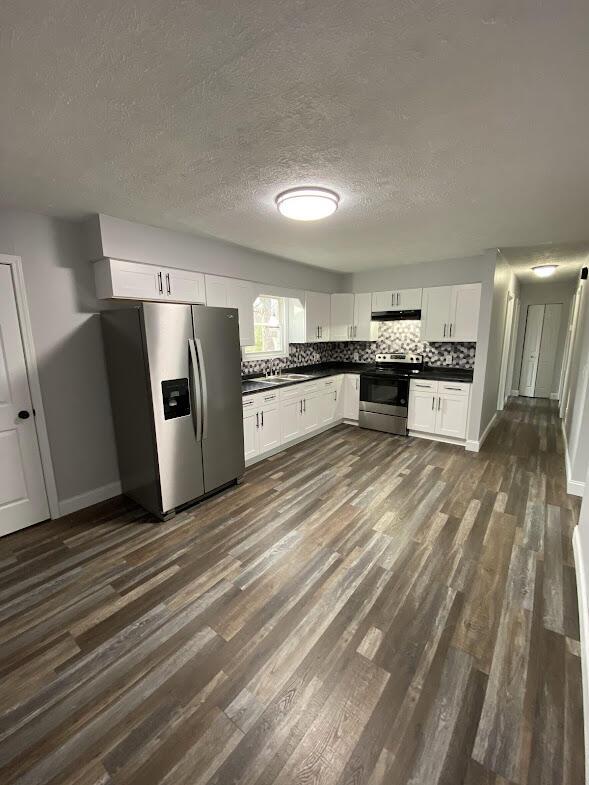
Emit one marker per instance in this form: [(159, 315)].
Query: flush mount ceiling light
[(544, 270), (307, 204)]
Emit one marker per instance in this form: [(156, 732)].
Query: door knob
[(23, 414)]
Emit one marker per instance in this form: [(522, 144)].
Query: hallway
[(363, 609)]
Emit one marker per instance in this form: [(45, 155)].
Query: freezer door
[(216, 338), (168, 334)]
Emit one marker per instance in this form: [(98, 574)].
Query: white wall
[(503, 285), (65, 318), (472, 269), (576, 418), (539, 294), (119, 239)]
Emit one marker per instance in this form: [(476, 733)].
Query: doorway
[(23, 493), (539, 352)]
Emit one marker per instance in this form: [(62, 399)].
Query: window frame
[(283, 324)]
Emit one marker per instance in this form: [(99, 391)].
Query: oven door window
[(384, 391)]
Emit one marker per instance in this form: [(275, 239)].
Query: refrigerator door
[(168, 332), (216, 338)]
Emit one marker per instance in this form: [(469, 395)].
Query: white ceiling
[(569, 259), (447, 127)]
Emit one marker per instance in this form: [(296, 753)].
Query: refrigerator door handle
[(203, 383), (195, 379)]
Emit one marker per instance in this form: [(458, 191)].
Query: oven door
[(384, 394)]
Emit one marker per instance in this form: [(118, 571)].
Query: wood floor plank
[(364, 609)]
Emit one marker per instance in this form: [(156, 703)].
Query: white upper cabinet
[(451, 313), (118, 279), (364, 329), (342, 317), (233, 293), (351, 318), (464, 310), (183, 286), (397, 300), (435, 313), (309, 321)]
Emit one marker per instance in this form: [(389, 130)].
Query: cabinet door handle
[(450, 329), (300, 407), (444, 329), (433, 402), (304, 404), (262, 419), (168, 284), (424, 386), (453, 388), (257, 419), (160, 283), (398, 297), (439, 403), (335, 395)]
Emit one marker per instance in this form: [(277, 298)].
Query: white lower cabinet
[(311, 413), (291, 420), (351, 396), (439, 408), (269, 428), (283, 416), (251, 424), (261, 424)]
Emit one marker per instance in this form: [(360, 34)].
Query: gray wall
[(66, 324), (472, 269), (68, 343), (539, 294), (113, 237)]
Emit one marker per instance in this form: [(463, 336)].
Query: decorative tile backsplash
[(401, 336)]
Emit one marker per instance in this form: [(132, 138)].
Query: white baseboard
[(584, 628), (472, 445), (75, 503), (574, 487), (435, 437)]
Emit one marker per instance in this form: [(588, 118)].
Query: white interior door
[(547, 355), (23, 498), (531, 350)]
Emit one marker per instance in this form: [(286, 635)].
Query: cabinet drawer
[(330, 382), (292, 393), (248, 402), (268, 402), (454, 387), (419, 385)]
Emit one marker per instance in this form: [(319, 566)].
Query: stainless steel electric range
[(384, 392)]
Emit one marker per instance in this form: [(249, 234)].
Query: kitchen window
[(270, 329)]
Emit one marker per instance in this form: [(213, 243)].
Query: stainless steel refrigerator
[(175, 383)]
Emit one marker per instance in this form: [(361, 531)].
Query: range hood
[(396, 316)]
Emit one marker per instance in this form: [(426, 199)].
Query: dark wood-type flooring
[(364, 609)]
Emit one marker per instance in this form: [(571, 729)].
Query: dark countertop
[(445, 374), (335, 368)]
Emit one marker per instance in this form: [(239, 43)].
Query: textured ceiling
[(447, 127), (568, 257)]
